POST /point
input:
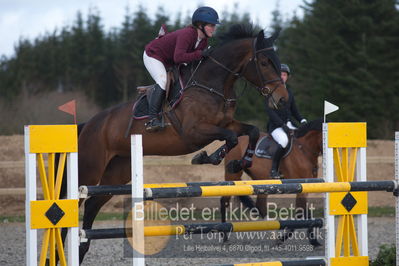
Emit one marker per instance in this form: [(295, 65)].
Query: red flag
[(69, 107)]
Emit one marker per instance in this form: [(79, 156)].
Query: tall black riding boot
[(274, 173), (155, 105)]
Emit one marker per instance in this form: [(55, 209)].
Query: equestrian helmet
[(285, 68), (205, 14)]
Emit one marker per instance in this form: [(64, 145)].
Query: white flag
[(329, 108)]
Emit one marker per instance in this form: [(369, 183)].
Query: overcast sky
[(30, 18)]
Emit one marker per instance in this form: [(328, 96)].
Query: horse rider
[(280, 123), (181, 46)]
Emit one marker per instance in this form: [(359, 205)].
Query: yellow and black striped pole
[(204, 228), (87, 191), (245, 190)]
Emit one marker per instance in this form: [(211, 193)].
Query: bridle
[(265, 90)]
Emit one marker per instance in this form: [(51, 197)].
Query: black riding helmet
[(285, 68)]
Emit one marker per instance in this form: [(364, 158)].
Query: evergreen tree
[(143, 32), (123, 64), (95, 58), (76, 53), (341, 52)]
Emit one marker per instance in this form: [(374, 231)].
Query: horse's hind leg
[(116, 173), (91, 209)]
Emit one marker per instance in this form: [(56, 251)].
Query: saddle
[(267, 146), (174, 93)]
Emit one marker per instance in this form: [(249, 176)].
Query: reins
[(195, 83), (264, 90)]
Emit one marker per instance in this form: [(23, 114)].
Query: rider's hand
[(290, 125), (206, 52)]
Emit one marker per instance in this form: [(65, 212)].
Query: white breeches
[(156, 69), (280, 137)]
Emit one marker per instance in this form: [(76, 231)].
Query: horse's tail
[(64, 177)]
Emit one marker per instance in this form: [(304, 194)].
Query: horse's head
[(251, 56), (263, 69)]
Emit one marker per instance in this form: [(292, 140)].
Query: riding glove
[(206, 52), (291, 126)]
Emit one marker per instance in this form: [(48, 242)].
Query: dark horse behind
[(204, 114), (301, 162)]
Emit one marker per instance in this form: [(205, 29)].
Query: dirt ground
[(164, 169)]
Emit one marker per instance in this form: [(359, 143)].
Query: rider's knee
[(283, 140), (284, 143)]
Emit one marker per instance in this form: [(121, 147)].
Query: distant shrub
[(386, 256)]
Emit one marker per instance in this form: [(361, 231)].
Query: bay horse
[(300, 162), (204, 114)]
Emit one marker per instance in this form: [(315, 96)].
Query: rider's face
[(210, 29), (284, 76)]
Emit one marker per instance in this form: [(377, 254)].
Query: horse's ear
[(261, 35), (260, 40)]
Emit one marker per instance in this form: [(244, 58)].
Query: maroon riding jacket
[(177, 47)]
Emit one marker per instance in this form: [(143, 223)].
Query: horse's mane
[(236, 32), (246, 31), (312, 125)]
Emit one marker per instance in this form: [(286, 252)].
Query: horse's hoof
[(234, 166), (153, 129), (225, 237), (200, 158), (275, 174)]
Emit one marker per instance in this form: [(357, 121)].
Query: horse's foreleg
[(246, 162), (224, 205), (261, 205), (303, 212), (215, 133), (253, 133)]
